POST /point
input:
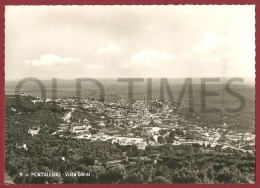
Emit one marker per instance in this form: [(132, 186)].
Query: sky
[(170, 41)]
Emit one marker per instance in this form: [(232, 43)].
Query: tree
[(171, 135), (115, 173), (69, 180), (93, 131), (161, 139), (224, 176), (89, 161), (161, 180), (135, 178), (169, 140), (97, 172)]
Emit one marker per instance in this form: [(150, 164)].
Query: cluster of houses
[(143, 119), (139, 142)]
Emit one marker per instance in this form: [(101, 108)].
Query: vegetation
[(159, 165)]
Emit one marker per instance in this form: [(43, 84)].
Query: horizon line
[(196, 77)]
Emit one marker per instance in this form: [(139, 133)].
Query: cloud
[(51, 60), (110, 49), (94, 66), (213, 48), (211, 41), (148, 57)]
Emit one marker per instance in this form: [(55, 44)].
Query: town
[(141, 123)]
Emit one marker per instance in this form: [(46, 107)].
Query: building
[(34, 130)]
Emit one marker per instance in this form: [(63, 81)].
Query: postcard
[(129, 94)]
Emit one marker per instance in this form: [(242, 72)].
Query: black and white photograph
[(120, 94)]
